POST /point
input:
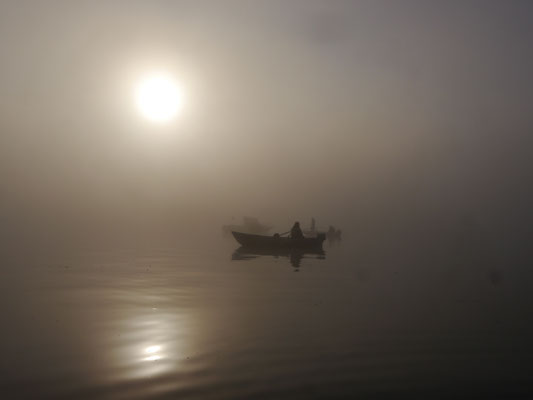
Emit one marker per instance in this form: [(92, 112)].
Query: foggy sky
[(380, 117)]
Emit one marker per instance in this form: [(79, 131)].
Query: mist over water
[(406, 125)]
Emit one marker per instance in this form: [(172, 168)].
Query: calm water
[(208, 323)]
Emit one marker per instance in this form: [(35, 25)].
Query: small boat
[(334, 236), (249, 225), (278, 242)]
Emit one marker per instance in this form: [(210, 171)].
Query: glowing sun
[(159, 98)]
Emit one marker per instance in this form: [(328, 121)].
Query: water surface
[(201, 322)]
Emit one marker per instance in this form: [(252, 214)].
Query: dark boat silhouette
[(249, 225), (278, 242)]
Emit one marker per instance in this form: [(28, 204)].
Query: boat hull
[(277, 242), (246, 229)]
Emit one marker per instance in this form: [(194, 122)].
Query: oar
[(284, 233)]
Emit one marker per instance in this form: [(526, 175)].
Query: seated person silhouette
[(296, 232)]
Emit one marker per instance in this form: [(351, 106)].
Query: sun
[(159, 98)]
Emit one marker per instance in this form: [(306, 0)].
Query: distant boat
[(249, 225), (334, 235), (278, 242)]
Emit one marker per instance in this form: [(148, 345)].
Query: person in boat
[(296, 231)]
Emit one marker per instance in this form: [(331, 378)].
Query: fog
[(407, 124)]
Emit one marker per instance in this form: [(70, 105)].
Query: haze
[(397, 121)]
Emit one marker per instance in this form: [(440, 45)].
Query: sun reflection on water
[(154, 353), (152, 349), (150, 343)]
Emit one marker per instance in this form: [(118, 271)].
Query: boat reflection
[(295, 255)]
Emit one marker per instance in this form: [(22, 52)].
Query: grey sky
[(346, 110)]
